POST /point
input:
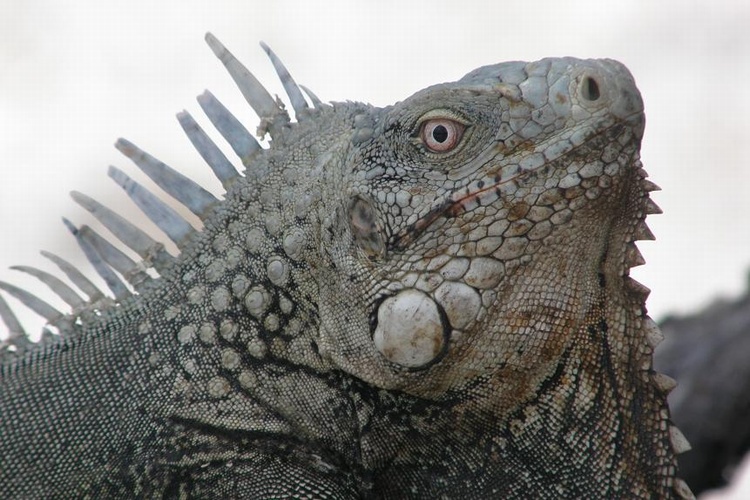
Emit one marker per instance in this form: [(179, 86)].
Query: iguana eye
[(441, 135)]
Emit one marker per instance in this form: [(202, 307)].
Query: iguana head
[(478, 223), (477, 255)]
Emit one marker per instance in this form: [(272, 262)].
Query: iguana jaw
[(495, 182)]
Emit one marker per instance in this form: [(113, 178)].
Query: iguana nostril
[(590, 89)]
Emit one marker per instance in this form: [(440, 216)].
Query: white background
[(74, 76)]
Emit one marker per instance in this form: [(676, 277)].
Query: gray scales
[(430, 299)]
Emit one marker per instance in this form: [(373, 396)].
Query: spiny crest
[(652, 334), (124, 276)]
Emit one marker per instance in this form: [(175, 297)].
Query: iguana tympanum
[(426, 300)]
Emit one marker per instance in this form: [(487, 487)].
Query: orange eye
[(441, 134)]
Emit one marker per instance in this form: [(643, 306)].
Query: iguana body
[(426, 300)]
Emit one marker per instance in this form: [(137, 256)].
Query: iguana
[(426, 300)]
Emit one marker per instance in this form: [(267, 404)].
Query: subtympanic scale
[(411, 330)]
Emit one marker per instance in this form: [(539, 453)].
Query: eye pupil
[(440, 133)]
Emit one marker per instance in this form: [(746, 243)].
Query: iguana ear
[(367, 230)]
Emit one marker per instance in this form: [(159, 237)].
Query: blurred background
[(74, 76)]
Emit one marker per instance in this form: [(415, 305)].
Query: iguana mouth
[(453, 206), (488, 189)]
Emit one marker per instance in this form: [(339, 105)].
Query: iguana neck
[(573, 406)]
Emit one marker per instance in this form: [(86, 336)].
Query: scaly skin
[(427, 300)]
